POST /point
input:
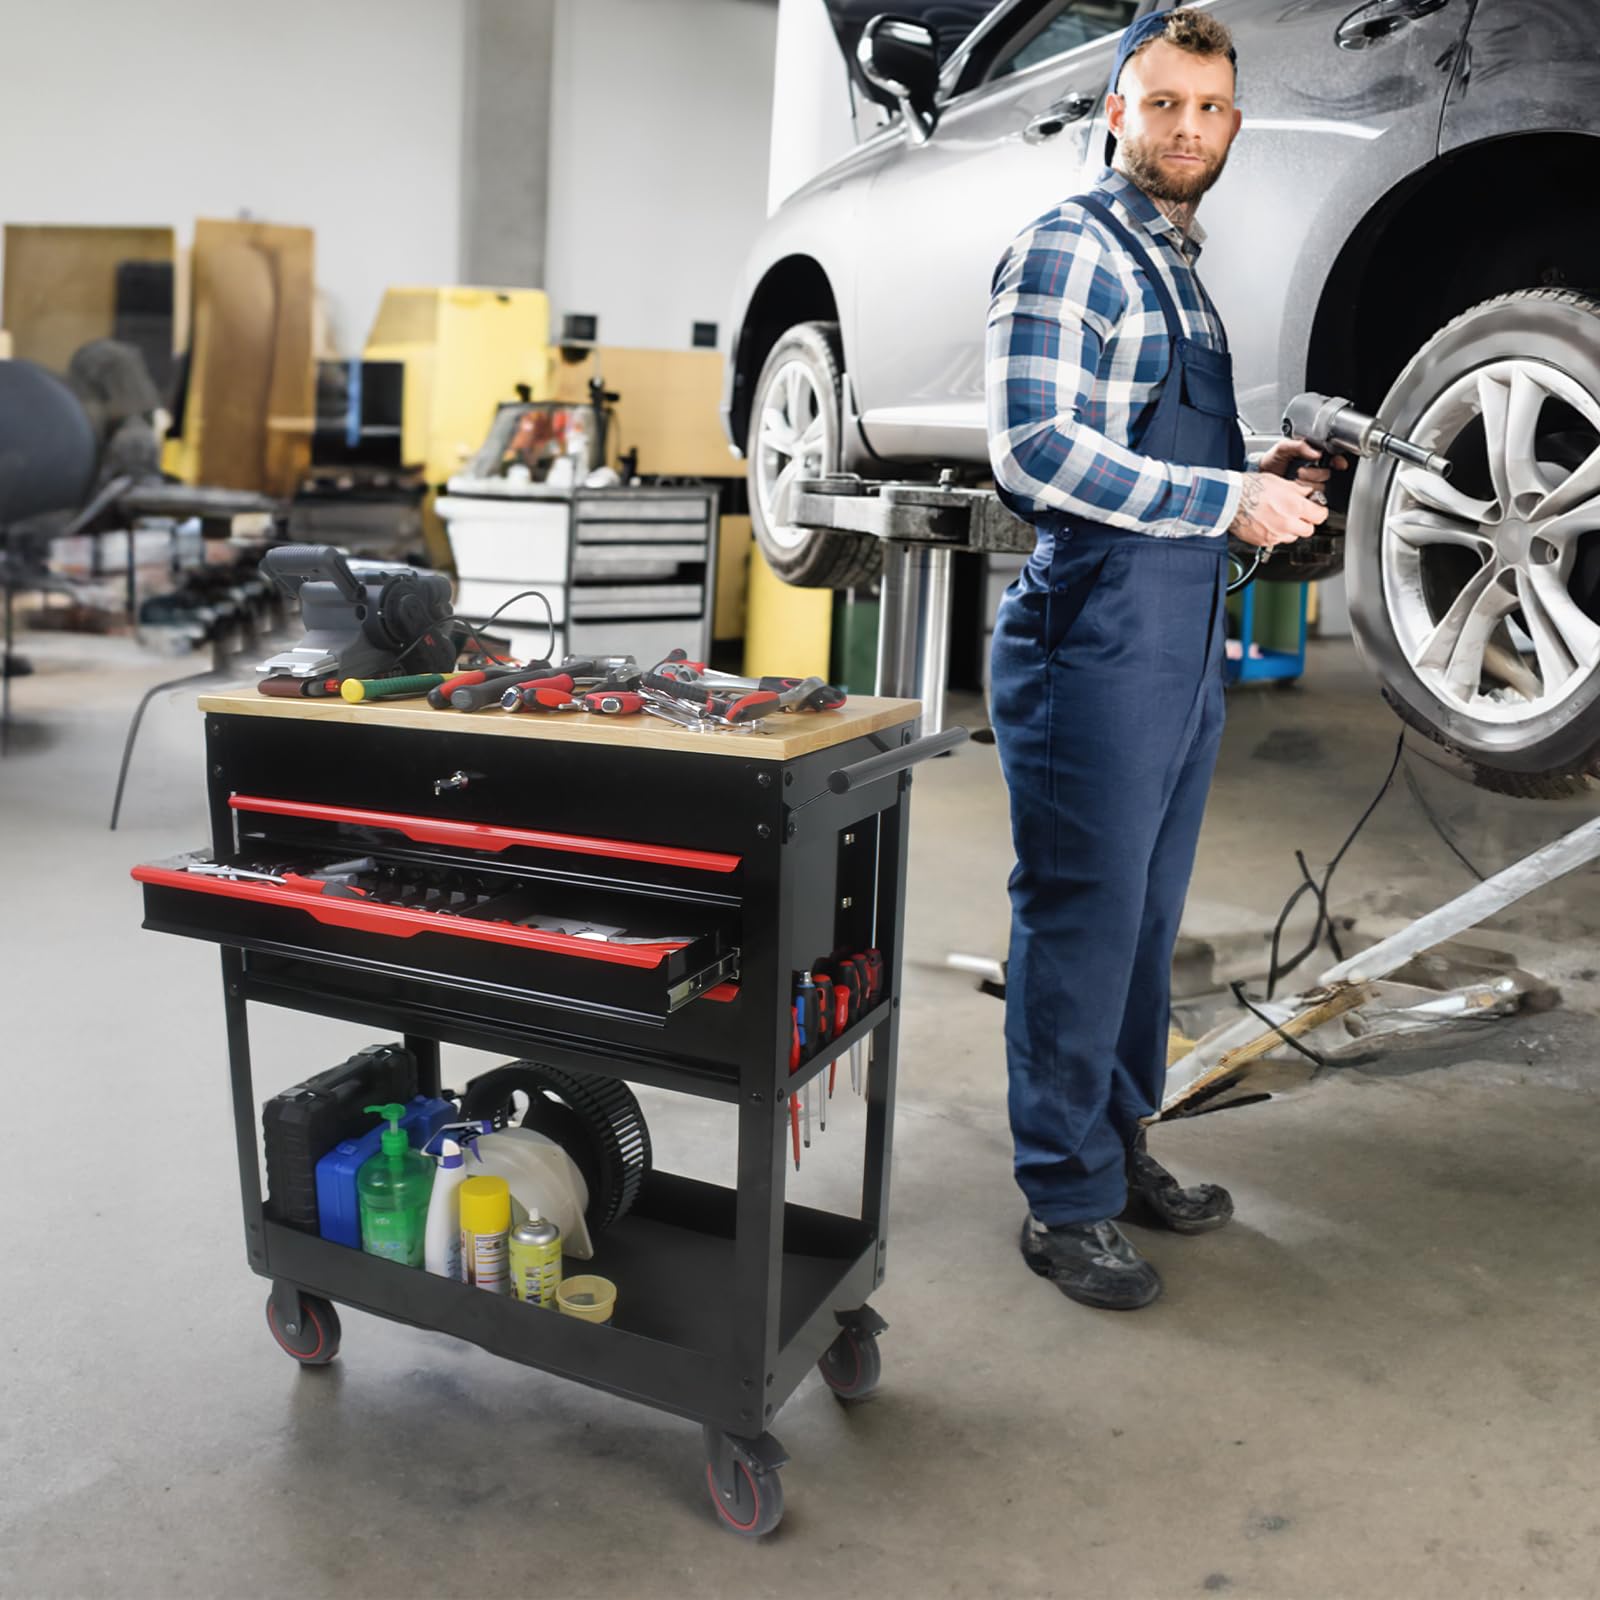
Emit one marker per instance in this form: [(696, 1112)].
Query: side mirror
[(900, 57)]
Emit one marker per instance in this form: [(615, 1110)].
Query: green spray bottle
[(393, 1189)]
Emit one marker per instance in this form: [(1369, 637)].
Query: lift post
[(922, 526)]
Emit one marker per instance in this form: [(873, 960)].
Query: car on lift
[(1402, 223)]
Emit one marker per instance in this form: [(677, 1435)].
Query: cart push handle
[(843, 779)]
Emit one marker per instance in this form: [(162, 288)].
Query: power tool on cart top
[(363, 619)]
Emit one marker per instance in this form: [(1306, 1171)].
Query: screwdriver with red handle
[(439, 697), (870, 965), (849, 984), (613, 702), (539, 697), (492, 691)]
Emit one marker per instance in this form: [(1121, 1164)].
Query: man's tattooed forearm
[(1245, 520)]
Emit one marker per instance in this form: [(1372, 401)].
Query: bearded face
[(1175, 120), (1180, 174)]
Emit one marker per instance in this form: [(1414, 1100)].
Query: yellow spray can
[(485, 1228), (536, 1261)]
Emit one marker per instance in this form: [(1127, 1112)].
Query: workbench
[(747, 857)]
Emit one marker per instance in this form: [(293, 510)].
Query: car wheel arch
[(794, 289), (1362, 335)]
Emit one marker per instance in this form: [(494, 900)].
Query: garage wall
[(661, 113), (344, 117)]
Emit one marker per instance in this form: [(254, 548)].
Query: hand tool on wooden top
[(439, 697), (543, 694), (493, 691), (606, 667), (698, 716), (732, 708), (613, 702), (794, 694), (414, 687), (548, 700), (283, 687)]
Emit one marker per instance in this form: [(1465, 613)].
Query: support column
[(505, 144)]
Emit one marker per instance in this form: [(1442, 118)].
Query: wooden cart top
[(779, 738)]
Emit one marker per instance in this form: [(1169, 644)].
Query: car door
[(1342, 103), (1012, 139)]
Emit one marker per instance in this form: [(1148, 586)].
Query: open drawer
[(560, 942)]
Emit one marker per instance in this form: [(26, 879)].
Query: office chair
[(48, 454)]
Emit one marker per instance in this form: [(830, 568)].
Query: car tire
[(796, 428), (1477, 598)]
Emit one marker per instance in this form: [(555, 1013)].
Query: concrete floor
[(1378, 1382)]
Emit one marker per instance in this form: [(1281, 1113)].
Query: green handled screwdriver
[(356, 690)]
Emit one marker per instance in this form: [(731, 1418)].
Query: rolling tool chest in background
[(421, 872), (624, 569)]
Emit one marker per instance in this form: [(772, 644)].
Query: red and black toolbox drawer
[(585, 923)]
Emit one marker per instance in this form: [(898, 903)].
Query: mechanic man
[(1113, 430)]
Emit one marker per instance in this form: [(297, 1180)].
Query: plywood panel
[(668, 408), (61, 285), (252, 376)]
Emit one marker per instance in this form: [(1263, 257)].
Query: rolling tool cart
[(420, 872)]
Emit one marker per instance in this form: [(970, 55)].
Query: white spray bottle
[(441, 1249)]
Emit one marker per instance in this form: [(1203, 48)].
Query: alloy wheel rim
[(1479, 589), (791, 443)]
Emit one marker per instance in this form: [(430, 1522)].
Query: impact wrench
[(1335, 427)]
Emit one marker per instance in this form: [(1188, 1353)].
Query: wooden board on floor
[(61, 285)]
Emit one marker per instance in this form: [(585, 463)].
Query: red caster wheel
[(742, 1479), (313, 1337), (754, 1503), (851, 1365)]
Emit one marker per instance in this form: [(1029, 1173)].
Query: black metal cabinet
[(733, 849)]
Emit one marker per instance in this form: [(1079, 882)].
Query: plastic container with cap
[(485, 1203), (393, 1190)]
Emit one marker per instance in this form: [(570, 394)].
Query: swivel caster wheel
[(851, 1366), (743, 1482), (309, 1333)]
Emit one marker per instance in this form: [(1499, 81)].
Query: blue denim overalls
[(1106, 700)]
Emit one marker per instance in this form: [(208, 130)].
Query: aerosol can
[(536, 1261), (485, 1226)]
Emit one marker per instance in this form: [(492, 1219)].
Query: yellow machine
[(465, 350)]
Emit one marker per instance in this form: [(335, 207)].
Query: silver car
[(1408, 219)]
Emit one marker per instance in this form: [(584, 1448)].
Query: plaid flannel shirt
[(1076, 352)]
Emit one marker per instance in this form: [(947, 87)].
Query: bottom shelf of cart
[(670, 1343)]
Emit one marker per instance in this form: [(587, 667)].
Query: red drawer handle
[(486, 836), (403, 922)]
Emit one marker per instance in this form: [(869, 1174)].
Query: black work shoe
[(1157, 1198), (1092, 1263)]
